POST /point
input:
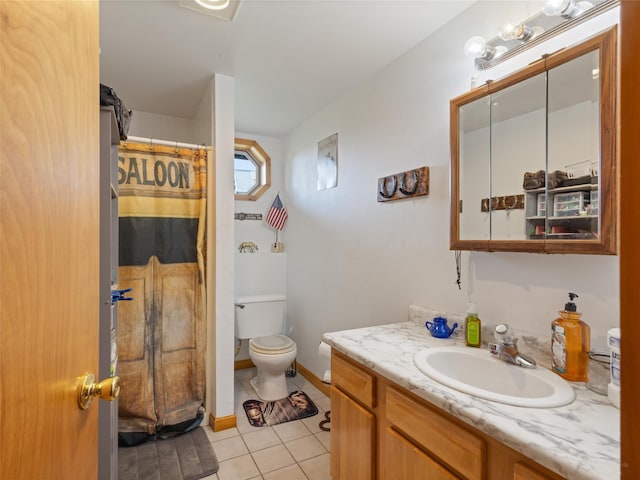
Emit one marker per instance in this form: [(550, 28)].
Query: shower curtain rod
[(164, 142)]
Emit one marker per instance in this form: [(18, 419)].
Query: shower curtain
[(161, 332)]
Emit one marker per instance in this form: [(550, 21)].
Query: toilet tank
[(259, 315)]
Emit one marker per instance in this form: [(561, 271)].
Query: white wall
[(254, 230), (355, 262), (197, 130), (262, 272), (221, 339), (203, 122), (162, 127)]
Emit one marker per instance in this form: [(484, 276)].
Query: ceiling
[(289, 58)]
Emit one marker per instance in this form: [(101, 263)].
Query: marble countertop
[(577, 441)]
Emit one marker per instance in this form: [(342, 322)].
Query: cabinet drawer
[(353, 380), (463, 451), (404, 461), (523, 472)]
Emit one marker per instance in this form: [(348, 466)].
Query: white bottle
[(613, 339)]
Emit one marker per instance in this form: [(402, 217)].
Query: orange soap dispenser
[(570, 344)]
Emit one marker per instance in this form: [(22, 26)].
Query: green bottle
[(472, 327)]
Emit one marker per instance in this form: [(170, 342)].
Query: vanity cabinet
[(555, 116), (380, 430)]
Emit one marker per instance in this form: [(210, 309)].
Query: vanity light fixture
[(565, 8), (213, 4), (555, 17)]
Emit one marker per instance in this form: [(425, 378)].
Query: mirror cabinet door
[(557, 117), (518, 145), (475, 170), (573, 146)]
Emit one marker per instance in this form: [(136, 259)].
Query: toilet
[(260, 319)]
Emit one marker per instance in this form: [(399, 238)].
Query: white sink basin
[(476, 372)]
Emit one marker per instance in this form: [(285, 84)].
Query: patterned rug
[(295, 406), (188, 456)]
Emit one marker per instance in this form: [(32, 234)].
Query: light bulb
[(580, 8), (515, 31), (555, 7), (213, 4), (506, 31), (565, 8), (477, 47)]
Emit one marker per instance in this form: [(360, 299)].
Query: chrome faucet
[(507, 348)]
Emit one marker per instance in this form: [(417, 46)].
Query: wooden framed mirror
[(555, 119)]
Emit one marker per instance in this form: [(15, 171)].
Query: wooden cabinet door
[(353, 437), (403, 460)]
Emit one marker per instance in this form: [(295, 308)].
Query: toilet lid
[(272, 344)]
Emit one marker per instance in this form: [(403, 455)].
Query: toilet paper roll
[(324, 351)]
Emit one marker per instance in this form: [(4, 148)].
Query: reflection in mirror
[(518, 144), (574, 146), (474, 176)]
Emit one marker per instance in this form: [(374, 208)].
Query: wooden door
[(629, 234), (49, 237)]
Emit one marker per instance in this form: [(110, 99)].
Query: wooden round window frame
[(253, 149)]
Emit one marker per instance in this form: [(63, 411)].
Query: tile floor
[(297, 450)]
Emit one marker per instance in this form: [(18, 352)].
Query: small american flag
[(277, 215)]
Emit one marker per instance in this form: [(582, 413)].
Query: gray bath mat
[(188, 456)]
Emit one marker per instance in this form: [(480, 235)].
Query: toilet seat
[(272, 345)]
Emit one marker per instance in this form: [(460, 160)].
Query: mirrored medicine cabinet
[(555, 123)]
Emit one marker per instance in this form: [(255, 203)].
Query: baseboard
[(222, 423), (315, 381), (241, 364)]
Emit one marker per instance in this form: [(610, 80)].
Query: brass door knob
[(107, 389)]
